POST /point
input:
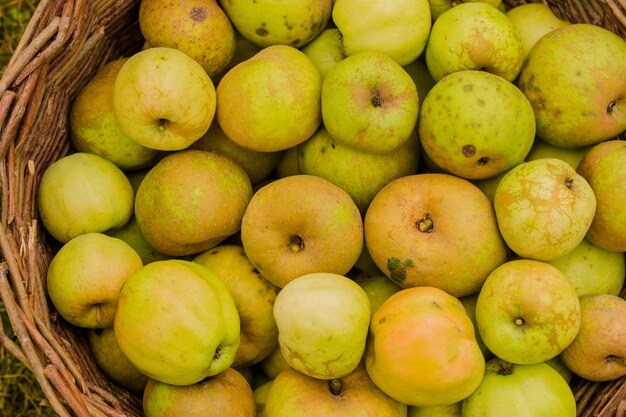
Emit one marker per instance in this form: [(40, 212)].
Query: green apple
[(274, 364), (325, 50), (199, 28), (177, 322), (421, 349), (397, 29), (254, 297), (604, 167), (293, 394), (369, 102), (424, 82), (558, 365), (437, 7), (260, 397), (290, 22), (378, 289), (475, 124), (532, 21), (85, 277), (112, 361), (578, 66), (131, 234), (281, 79), (489, 185), (226, 394), (163, 99), (362, 174), (288, 164), (417, 224), (520, 390), (527, 311), (83, 193), (258, 165), (450, 410), (191, 201), (593, 270), (474, 36), (543, 149), (94, 128), (301, 224), (598, 352), (244, 50), (322, 320), (544, 208), (366, 265)]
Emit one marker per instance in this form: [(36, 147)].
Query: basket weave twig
[(64, 44)]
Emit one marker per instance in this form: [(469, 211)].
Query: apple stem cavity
[(425, 225), (218, 353), (376, 99), (335, 386), (161, 123), (505, 368), (519, 321), (611, 106), (618, 359), (296, 243), (569, 182)]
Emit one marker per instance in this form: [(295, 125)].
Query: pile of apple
[(348, 208)]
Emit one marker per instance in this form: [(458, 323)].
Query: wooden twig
[(29, 350), (29, 53)]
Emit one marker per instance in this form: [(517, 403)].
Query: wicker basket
[(63, 46)]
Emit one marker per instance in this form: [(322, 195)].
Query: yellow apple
[(421, 349), (322, 320)]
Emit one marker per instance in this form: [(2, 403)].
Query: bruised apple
[(322, 321), (417, 224), (421, 349), (199, 28), (177, 322)]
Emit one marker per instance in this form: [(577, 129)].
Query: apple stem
[(335, 386), (519, 321), (376, 100), (425, 225), (611, 106), (296, 243)]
